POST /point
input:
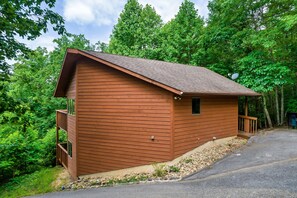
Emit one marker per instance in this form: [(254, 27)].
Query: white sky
[(96, 18)]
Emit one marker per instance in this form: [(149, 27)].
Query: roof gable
[(177, 78)]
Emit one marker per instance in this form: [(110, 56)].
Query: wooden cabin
[(124, 112)]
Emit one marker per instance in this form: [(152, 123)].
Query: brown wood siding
[(117, 114), (218, 118), (72, 138), (71, 128), (71, 90)]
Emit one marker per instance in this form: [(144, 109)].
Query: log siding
[(117, 116), (71, 128), (218, 118)]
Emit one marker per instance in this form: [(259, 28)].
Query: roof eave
[(221, 94), (72, 55), (66, 69)]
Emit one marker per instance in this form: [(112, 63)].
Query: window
[(195, 105), (69, 148), (71, 106)]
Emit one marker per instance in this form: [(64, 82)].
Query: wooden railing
[(62, 155), (247, 124), (61, 118)]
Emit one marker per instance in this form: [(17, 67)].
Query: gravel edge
[(164, 173)]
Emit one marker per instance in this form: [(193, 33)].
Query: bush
[(292, 105), (48, 147), (19, 152), (174, 169), (160, 170)]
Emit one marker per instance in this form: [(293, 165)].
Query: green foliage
[(125, 180), (27, 135), (188, 160), (48, 147), (31, 184), (101, 46), (262, 75), (181, 36), (137, 31), (159, 170), (292, 105), (174, 169), (25, 19), (256, 39), (19, 151)]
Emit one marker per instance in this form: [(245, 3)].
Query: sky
[(95, 18)]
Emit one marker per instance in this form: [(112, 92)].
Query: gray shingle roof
[(187, 79)]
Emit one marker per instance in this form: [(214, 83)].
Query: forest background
[(256, 39)]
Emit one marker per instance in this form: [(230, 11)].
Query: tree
[(254, 38), (181, 36), (136, 32), (262, 75), (148, 39), (101, 46), (27, 135), (25, 19), (223, 41), (123, 36)]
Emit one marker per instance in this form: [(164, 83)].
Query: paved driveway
[(265, 167)]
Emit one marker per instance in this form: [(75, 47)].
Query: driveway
[(265, 167)]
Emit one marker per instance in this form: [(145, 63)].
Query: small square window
[(69, 148), (195, 105)]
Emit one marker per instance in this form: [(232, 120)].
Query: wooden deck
[(61, 148), (62, 155), (61, 119), (247, 126), (244, 135)]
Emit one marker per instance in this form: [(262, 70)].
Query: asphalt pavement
[(265, 167)]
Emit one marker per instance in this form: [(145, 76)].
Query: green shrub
[(292, 105), (174, 169), (188, 160), (160, 170)]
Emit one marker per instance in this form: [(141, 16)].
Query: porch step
[(245, 135)]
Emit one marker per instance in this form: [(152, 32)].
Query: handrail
[(62, 148), (61, 119), (62, 155), (247, 124), (62, 111), (248, 117)]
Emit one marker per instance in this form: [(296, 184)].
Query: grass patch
[(189, 160), (160, 170), (31, 184), (174, 169)]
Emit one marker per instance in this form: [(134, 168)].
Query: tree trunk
[(282, 106), (266, 112), (277, 107)]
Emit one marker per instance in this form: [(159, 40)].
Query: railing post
[(57, 138), (246, 106), (246, 125)]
